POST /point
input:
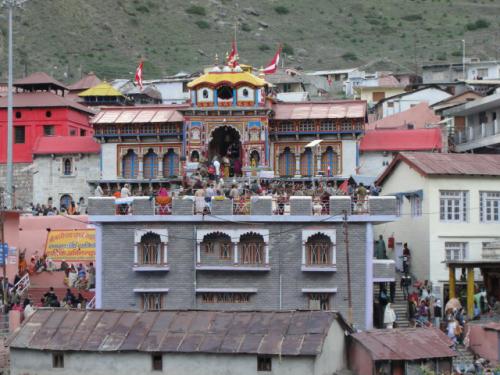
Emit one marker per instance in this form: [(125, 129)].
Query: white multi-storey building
[(449, 208)]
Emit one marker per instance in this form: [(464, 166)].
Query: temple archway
[(225, 142)]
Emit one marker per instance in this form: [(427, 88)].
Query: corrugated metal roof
[(294, 333), (323, 110), (65, 145), (401, 140), (428, 164), (43, 99), (101, 89), (138, 115), (39, 78), (419, 116), (88, 81), (407, 344)]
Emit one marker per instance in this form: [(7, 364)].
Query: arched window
[(251, 249), (67, 167), (245, 93), (329, 162), (319, 250), (217, 245), (150, 250), (171, 164), (130, 165), (204, 93), (307, 163), (150, 163), (65, 201), (225, 93), (287, 163)]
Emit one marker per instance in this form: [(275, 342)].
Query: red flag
[(344, 186), (272, 66), (138, 75), (232, 58)]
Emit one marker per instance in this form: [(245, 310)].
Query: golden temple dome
[(232, 78)]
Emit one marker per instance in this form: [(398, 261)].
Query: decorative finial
[(216, 62)]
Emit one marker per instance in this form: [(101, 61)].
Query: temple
[(232, 115)]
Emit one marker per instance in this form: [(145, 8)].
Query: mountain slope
[(68, 37)]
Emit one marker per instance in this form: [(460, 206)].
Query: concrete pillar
[(470, 292), (297, 165), (452, 281)]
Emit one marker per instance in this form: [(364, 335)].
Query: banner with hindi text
[(71, 245)]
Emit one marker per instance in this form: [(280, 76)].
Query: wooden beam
[(452, 281), (470, 292)]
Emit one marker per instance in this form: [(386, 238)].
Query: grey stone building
[(60, 341), (239, 262), (61, 168)]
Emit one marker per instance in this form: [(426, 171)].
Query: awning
[(409, 194)]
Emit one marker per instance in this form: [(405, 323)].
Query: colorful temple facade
[(231, 116)]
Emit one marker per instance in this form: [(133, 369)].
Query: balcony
[(277, 206), (477, 136)]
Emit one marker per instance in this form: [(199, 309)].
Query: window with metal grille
[(150, 250), (67, 167), (346, 126), (215, 297), (153, 301), (327, 126), (319, 301), (416, 206), (19, 134), (157, 362), (49, 130), (167, 129), (219, 243), (318, 250), (128, 129), (57, 360), (306, 126), (285, 127), (251, 249), (489, 206), (148, 129), (150, 164), (455, 250), (453, 205), (264, 363)]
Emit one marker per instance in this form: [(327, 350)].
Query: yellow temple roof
[(102, 89), (233, 78)]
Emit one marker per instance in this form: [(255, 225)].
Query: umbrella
[(453, 303)]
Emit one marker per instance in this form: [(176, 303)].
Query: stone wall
[(50, 181), (281, 286), (23, 183)]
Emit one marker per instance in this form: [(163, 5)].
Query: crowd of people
[(48, 209)]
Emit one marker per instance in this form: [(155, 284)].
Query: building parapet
[(295, 206)]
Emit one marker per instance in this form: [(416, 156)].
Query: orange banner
[(71, 245)]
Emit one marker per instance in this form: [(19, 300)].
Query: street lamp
[(10, 4)]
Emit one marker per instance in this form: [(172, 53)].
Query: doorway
[(226, 145)]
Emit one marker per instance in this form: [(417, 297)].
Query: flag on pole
[(272, 66), (344, 186), (138, 74), (232, 58)]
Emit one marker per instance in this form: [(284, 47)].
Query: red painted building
[(40, 109)]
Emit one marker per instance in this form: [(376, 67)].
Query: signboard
[(4, 252), (71, 245)]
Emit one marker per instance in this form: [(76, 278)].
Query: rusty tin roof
[(288, 333), (406, 344), (320, 110)]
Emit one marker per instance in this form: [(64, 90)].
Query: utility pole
[(349, 293), (5, 285), (463, 59), (10, 4)]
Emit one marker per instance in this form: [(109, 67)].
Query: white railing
[(22, 285), (91, 304)]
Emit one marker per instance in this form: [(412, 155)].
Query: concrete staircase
[(400, 306), (464, 360)]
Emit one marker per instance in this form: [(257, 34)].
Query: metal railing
[(22, 285), (91, 304)]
